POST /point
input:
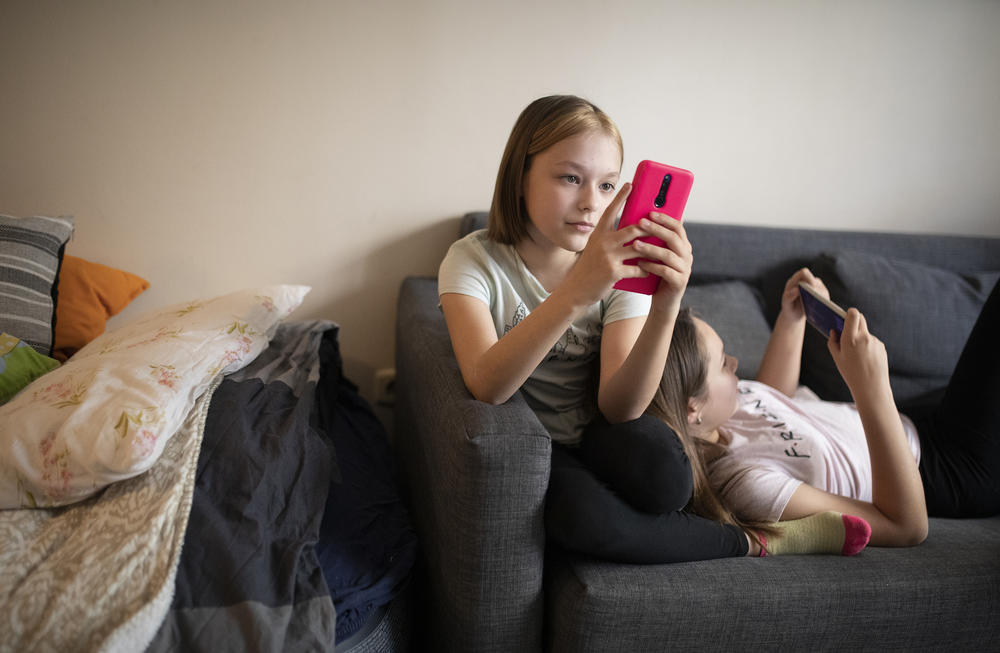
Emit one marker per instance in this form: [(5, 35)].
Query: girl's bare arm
[(898, 511)]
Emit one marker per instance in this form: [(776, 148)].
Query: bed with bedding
[(201, 478)]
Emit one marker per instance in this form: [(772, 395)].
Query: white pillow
[(108, 412)]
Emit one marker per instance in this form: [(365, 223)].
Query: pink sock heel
[(857, 532)]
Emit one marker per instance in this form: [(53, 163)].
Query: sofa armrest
[(476, 477)]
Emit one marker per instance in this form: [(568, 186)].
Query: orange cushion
[(89, 294)]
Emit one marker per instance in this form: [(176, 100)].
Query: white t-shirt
[(776, 443), (561, 390)]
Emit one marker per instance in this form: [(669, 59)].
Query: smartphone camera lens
[(661, 197)]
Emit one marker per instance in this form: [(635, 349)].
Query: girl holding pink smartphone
[(530, 306)]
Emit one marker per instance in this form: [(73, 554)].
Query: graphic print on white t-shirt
[(776, 443)]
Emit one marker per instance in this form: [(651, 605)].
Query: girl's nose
[(588, 198)]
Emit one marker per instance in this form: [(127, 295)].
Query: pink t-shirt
[(776, 443)]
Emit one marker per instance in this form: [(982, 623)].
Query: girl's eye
[(573, 179), (607, 186)]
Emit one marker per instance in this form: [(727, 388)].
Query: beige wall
[(211, 145)]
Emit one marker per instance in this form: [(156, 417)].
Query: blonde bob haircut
[(542, 124)]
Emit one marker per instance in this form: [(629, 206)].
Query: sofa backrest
[(921, 293), (729, 251)]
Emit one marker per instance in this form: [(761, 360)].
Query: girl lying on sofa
[(772, 450)]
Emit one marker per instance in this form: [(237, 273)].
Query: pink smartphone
[(655, 187)]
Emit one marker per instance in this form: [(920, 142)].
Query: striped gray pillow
[(31, 251)]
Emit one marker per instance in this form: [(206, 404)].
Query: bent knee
[(667, 472)]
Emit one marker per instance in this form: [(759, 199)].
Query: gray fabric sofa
[(476, 477)]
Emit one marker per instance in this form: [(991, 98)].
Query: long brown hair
[(684, 377), (542, 124)]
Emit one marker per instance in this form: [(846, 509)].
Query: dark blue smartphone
[(823, 314)]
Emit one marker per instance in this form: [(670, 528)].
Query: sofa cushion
[(31, 252), (916, 598), (923, 315), (89, 295), (734, 310)]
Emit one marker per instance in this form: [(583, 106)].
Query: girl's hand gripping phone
[(656, 188)]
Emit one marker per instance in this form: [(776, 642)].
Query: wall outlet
[(385, 386)]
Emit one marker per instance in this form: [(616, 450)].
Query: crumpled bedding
[(250, 578), (99, 574), (243, 536)]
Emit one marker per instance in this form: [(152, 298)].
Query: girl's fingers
[(659, 269), (862, 322), (853, 325), (632, 272), (833, 344), (679, 251), (640, 230), (674, 239), (670, 264), (664, 227), (628, 234), (806, 276), (671, 278), (663, 254)]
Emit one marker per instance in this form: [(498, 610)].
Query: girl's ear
[(694, 407)]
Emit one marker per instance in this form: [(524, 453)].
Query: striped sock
[(824, 532)]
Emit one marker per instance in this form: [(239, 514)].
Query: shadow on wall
[(367, 316)]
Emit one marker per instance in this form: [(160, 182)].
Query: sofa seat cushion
[(916, 598)]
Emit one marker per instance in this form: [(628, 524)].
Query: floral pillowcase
[(107, 414)]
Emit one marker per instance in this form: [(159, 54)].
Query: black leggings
[(620, 496), (960, 434)]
